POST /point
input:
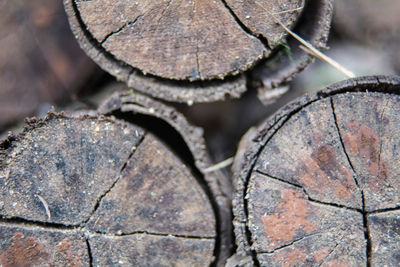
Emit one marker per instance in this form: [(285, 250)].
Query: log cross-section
[(95, 191), (199, 51), (320, 182), (187, 40)]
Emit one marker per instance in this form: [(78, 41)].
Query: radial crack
[(89, 251), (278, 179), (397, 208), (33, 225), (97, 205), (22, 222), (289, 244), (334, 205), (263, 138), (110, 235), (164, 10), (260, 37), (364, 212), (367, 234), (330, 253), (281, 247), (380, 139), (309, 198), (342, 143), (120, 29), (94, 42)]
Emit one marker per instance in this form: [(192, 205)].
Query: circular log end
[(198, 51), (187, 40), (321, 182), (82, 191)]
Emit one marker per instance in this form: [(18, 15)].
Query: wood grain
[(318, 183)]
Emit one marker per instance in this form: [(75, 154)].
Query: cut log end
[(198, 51), (324, 187), (76, 191), (187, 40)]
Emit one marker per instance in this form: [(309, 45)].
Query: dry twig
[(306, 46), (220, 165)]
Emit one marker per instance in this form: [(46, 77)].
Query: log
[(142, 110), (190, 51), (40, 60), (318, 182), (93, 190)]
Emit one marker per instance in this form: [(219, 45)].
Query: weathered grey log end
[(95, 191), (319, 183)]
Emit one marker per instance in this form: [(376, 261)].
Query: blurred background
[(41, 65)]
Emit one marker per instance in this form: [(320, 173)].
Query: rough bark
[(317, 183)]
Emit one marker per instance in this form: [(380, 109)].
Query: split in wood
[(193, 51), (77, 186), (319, 182)]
